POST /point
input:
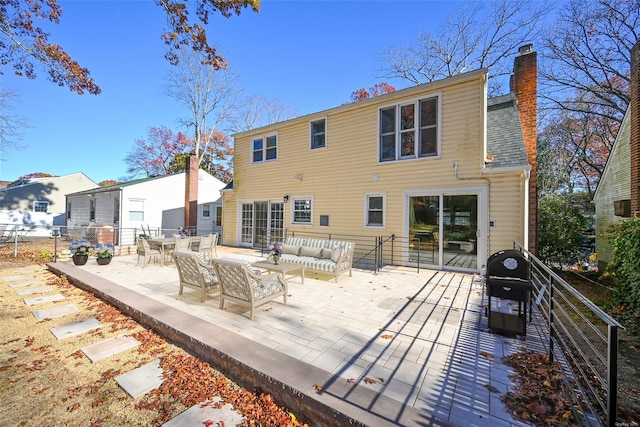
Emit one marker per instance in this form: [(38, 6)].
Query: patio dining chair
[(145, 252), (214, 244), (194, 272), (240, 285), (206, 246), (182, 244)]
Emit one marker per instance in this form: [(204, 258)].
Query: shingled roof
[(504, 134)]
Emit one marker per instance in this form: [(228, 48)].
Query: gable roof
[(504, 134), (44, 180), (121, 185)]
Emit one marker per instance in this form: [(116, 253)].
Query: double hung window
[(302, 211), (410, 130), (374, 210), (265, 149), (318, 134), (39, 206)]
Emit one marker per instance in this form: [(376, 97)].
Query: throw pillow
[(326, 253), (312, 252), (336, 253), (291, 249)]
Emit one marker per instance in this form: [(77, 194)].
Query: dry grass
[(46, 381)]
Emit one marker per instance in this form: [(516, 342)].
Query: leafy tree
[(25, 45), (154, 156), (577, 145), (377, 89), (561, 229), (474, 38), (217, 160)]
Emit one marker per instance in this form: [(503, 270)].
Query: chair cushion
[(326, 253)]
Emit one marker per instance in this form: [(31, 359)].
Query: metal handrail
[(585, 352)]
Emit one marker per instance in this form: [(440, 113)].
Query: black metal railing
[(583, 339)]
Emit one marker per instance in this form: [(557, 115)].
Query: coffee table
[(281, 267)]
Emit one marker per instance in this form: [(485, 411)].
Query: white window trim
[(292, 201), (366, 210), (264, 137), (45, 202), (129, 210), (202, 215), (416, 102), (311, 133)]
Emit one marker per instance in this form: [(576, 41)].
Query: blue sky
[(309, 55)]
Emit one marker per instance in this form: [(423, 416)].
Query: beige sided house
[(40, 201), (439, 165)]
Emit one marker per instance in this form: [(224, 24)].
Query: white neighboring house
[(152, 203), (39, 203)]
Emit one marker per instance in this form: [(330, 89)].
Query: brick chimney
[(191, 193), (634, 105), (524, 85)]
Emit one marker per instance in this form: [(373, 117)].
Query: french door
[(262, 223), (443, 230)]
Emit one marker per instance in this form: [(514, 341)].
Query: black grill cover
[(508, 264)]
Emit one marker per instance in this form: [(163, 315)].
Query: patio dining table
[(166, 244)]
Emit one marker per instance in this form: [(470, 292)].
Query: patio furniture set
[(242, 282), (161, 247)]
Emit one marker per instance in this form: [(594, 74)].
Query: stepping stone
[(22, 284), (45, 298), (142, 379), (106, 348), (40, 290), (75, 328), (53, 312), (201, 414), (10, 278)]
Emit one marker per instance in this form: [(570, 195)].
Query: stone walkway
[(393, 348)]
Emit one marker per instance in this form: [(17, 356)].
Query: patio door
[(443, 230), (262, 223)]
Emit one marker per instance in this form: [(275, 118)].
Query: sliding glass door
[(443, 230)]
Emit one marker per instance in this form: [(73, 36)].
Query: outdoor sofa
[(332, 257)]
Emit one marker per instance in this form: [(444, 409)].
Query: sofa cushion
[(336, 253), (310, 251), (326, 253), (291, 249)]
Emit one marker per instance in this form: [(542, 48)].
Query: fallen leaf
[(351, 380), (386, 336), (370, 381), (486, 355), (318, 386), (491, 388)]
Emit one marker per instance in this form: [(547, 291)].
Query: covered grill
[(508, 279)]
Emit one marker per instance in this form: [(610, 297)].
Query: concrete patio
[(393, 348)]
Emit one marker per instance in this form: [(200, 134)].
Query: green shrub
[(624, 270), (561, 229)]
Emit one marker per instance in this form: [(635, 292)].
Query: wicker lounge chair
[(240, 285), (194, 272)]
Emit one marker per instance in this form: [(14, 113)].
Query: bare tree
[(209, 94), (10, 125), (474, 38), (256, 111), (588, 52)]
